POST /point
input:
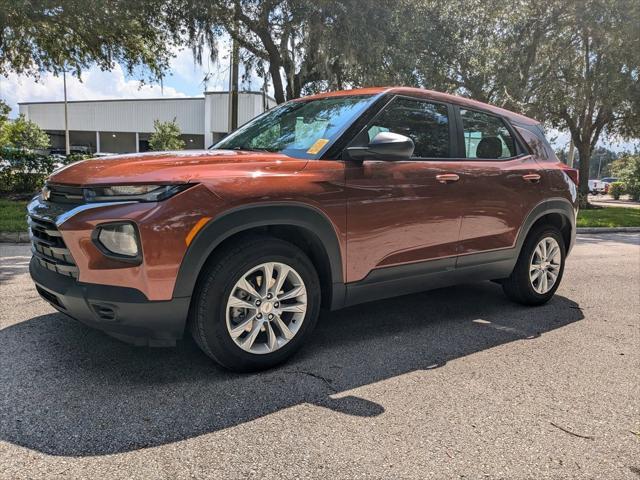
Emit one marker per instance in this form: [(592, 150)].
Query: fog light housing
[(119, 239)]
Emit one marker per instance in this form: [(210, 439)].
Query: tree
[(42, 35), (594, 86), (627, 169), (166, 136), (24, 134), (573, 65), (302, 45)]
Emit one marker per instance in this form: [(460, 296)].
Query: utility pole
[(66, 114), (233, 78)]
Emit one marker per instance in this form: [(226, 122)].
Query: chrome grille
[(49, 248)]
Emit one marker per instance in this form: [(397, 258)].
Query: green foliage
[(166, 136), (4, 116), (616, 189), (23, 171), (317, 45), (24, 134), (609, 217), (13, 215), (627, 170), (76, 157), (71, 35)]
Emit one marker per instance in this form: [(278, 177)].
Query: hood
[(174, 167)]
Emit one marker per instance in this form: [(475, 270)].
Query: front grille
[(65, 194), (49, 248)]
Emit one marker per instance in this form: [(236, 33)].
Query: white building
[(123, 126)]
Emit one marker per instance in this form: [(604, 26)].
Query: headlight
[(120, 239), (138, 193)]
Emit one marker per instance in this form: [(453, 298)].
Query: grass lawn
[(12, 215), (609, 217)]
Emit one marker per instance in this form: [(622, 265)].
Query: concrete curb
[(607, 230), (14, 237)]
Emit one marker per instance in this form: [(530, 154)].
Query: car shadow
[(69, 390)]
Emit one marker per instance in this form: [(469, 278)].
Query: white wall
[(195, 116), (119, 115), (216, 106)]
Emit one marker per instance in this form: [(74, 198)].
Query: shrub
[(24, 135), (166, 136), (616, 189), (23, 171), (627, 169)]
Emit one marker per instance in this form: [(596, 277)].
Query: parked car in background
[(607, 181), (596, 187), (325, 201)]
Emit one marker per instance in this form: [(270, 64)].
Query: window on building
[(486, 136), (426, 123)]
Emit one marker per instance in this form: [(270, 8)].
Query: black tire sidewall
[(217, 287), (522, 270)]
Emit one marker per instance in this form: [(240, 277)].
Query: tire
[(519, 287), (212, 319)]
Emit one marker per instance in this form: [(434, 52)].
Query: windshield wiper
[(252, 149)]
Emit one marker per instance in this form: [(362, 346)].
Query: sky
[(185, 80)]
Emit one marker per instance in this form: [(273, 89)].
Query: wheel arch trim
[(557, 205), (246, 217)]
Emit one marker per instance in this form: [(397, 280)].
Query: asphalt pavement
[(452, 383)]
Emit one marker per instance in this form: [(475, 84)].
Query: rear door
[(403, 212), (500, 184)]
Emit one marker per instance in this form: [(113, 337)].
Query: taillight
[(573, 174)]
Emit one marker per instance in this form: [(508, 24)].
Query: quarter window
[(486, 136), (426, 123)]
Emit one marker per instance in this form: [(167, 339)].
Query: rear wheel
[(539, 268), (256, 304)]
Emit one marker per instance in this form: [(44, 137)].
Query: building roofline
[(150, 99)]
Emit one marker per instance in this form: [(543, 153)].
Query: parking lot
[(453, 383)]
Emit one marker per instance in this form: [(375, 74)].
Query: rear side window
[(486, 136), (538, 143), (426, 123)]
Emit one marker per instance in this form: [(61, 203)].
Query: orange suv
[(325, 201)]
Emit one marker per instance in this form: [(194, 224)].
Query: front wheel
[(255, 304), (539, 268)]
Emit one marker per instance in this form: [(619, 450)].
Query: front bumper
[(124, 313)]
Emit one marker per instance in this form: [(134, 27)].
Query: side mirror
[(384, 146)]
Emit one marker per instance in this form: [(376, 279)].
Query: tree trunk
[(278, 89), (584, 152)]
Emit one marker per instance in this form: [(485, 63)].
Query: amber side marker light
[(196, 228)]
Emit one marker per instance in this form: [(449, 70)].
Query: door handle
[(531, 177), (447, 177)]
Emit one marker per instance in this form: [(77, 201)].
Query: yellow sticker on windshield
[(316, 147)]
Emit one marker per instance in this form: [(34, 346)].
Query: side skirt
[(417, 277)]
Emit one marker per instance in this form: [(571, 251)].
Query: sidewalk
[(608, 201)]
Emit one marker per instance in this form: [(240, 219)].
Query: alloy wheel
[(266, 308), (544, 266)]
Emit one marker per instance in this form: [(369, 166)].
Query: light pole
[(66, 114), (234, 73)]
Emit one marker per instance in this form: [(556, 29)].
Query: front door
[(404, 212)]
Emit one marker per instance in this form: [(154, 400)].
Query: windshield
[(301, 129)]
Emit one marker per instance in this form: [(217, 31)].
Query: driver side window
[(426, 123)]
